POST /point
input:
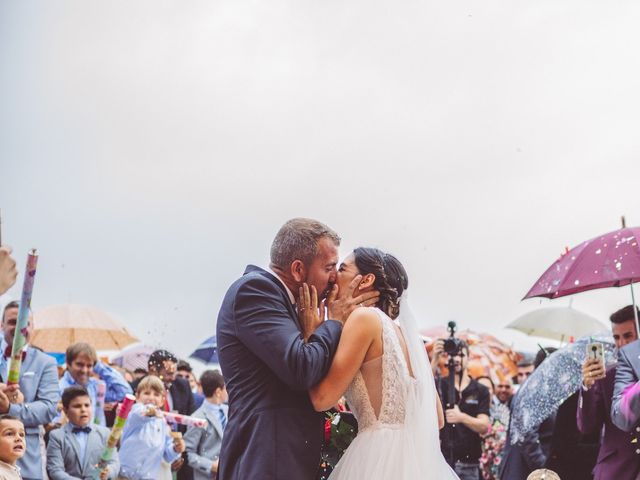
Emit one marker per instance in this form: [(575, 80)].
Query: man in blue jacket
[(270, 359), (82, 362), (36, 400)]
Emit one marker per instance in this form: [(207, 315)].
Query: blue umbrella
[(207, 351)]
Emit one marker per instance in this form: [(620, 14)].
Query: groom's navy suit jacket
[(273, 431)]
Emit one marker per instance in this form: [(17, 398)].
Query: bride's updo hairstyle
[(391, 277)]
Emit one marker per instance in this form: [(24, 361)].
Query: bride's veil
[(421, 410)]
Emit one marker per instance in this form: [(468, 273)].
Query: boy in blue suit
[(74, 450), (203, 444)]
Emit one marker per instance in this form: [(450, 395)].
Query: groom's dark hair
[(298, 240)]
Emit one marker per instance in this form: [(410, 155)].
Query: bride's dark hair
[(391, 277)]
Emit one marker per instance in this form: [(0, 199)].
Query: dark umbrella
[(610, 260), (207, 351), (555, 380)]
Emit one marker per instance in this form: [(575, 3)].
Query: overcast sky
[(151, 149)]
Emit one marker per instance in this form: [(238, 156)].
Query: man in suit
[(617, 457), (203, 444), (163, 364), (270, 357), (34, 403), (75, 449), (185, 371)]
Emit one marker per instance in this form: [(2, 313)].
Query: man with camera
[(467, 405)]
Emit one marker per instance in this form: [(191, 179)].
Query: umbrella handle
[(635, 309)]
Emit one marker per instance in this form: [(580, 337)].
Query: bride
[(382, 369)]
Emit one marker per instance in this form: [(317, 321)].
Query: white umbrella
[(557, 323)]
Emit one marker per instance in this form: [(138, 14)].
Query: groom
[(273, 431)]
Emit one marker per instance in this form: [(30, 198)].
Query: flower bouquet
[(340, 428)]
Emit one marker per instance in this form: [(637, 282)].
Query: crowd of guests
[(56, 426), (55, 423), (594, 434)]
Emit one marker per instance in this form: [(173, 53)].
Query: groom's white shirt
[(291, 297)]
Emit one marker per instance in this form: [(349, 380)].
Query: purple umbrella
[(610, 260)]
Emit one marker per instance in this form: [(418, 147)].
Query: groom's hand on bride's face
[(341, 304)]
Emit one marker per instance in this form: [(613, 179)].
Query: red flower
[(327, 430)]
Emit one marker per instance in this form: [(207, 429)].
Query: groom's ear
[(298, 271)]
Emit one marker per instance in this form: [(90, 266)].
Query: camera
[(452, 345)]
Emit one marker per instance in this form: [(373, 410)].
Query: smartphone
[(595, 351)]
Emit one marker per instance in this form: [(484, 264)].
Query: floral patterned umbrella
[(555, 380)]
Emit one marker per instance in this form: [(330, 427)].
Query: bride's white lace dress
[(397, 426)]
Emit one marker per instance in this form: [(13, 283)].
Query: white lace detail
[(403, 443), (395, 382)]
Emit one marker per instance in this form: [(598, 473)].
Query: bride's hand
[(309, 315), (341, 307)]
